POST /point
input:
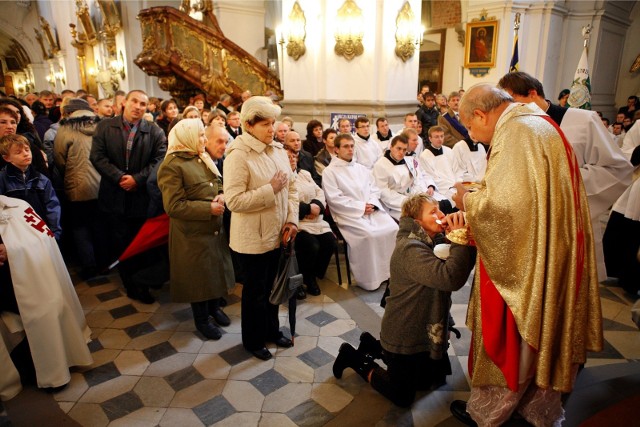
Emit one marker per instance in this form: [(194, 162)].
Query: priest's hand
[(458, 197), (430, 190), (3, 254), (455, 221)]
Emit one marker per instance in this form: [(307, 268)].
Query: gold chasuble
[(536, 280)]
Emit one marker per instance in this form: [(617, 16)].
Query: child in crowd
[(415, 327), (20, 180)]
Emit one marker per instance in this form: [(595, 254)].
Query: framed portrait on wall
[(481, 43)]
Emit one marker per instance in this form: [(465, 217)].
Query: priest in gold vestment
[(535, 307)]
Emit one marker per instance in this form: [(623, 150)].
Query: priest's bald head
[(481, 108)]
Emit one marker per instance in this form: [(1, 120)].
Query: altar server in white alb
[(437, 162), (46, 307), (605, 171), (469, 160), (367, 150), (354, 202), (398, 176)]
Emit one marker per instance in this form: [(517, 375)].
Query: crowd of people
[(490, 179)]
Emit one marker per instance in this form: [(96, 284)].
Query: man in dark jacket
[(428, 113), (125, 149)]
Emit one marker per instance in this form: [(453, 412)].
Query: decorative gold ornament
[(349, 31), (408, 34), (297, 32)]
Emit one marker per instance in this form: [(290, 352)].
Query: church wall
[(629, 83)]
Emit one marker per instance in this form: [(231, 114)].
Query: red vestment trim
[(499, 330), (574, 170)]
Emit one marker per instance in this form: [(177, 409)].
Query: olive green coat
[(199, 255)]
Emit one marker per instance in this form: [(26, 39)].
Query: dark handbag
[(288, 279)]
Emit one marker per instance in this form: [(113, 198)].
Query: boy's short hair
[(8, 141), (412, 207), (433, 129), (342, 137)]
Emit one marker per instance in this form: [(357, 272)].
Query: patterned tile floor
[(152, 368)]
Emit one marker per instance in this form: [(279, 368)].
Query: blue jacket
[(35, 189)]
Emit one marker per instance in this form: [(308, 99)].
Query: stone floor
[(152, 368)]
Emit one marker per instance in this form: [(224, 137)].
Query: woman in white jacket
[(264, 213)]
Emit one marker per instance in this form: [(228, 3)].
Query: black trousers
[(259, 317), (407, 373), (620, 242), (313, 252)]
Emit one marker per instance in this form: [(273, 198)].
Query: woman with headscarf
[(200, 262), (264, 205)]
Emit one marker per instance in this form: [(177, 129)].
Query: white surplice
[(605, 171), (348, 187), (366, 151), (469, 165), (397, 182), (440, 169), (50, 311)]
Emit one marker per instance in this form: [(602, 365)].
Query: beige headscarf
[(184, 138)]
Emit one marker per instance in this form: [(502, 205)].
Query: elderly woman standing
[(264, 205), (201, 269)]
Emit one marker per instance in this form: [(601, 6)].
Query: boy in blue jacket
[(20, 180)]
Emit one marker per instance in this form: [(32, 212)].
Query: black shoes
[(349, 357), (283, 342), (262, 354), (141, 294), (204, 322), (300, 294), (346, 357), (220, 317), (313, 288), (216, 312), (209, 330), (369, 345), (459, 410)]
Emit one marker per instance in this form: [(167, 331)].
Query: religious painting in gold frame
[(481, 44)]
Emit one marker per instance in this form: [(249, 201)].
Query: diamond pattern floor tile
[(107, 296), (235, 355), (123, 311), (140, 329), (316, 357), (159, 352), (309, 414), (214, 410), (269, 382), (321, 319), (121, 405), (183, 378), (101, 374)]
